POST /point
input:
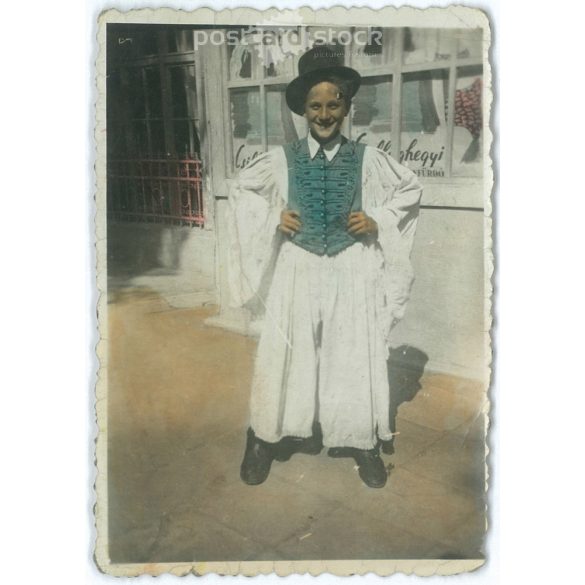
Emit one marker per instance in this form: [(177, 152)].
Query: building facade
[(189, 107)]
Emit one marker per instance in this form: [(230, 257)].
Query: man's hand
[(289, 222), (360, 224)]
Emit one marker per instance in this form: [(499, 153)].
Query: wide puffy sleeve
[(255, 200), (391, 195)]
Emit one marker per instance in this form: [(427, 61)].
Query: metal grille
[(156, 190)]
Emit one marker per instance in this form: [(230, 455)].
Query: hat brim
[(297, 89)]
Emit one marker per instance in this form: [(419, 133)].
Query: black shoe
[(371, 467), (257, 460)]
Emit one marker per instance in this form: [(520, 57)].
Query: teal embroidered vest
[(324, 193)]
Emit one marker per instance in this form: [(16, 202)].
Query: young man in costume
[(321, 232)]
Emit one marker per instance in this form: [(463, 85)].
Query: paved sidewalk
[(178, 410)]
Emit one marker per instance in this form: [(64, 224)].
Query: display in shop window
[(468, 123)]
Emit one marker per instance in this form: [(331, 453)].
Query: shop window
[(423, 123), (371, 116), (280, 126), (245, 124), (420, 98)]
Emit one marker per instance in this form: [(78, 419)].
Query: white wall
[(445, 315)]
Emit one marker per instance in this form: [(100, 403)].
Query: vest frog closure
[(324, 193)]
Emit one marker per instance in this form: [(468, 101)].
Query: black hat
[(316, 65)]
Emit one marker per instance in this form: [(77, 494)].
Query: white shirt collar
[(330, 149)]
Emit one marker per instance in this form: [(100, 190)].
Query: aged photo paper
[(294, 268)]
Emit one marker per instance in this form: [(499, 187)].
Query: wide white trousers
[(322, 355)]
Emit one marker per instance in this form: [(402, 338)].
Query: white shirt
[(330, 149)]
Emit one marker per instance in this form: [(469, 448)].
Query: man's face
[(324, 111)]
